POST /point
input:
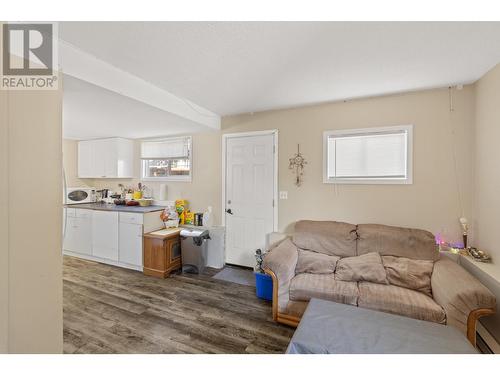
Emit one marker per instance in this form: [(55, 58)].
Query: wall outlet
[(283, 194)]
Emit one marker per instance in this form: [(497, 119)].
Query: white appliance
[(80, 195)]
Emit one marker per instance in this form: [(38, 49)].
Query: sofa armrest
[(463, 298), (280, 263)]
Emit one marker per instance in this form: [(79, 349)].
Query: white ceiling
[(90, 111), (237, 67)]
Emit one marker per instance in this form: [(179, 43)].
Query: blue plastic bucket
[(264, 286)]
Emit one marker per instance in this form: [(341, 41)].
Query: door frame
[(225, 137)]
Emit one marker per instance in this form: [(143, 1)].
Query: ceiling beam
[(84, 66)]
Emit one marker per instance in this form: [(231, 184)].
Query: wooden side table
[(162, 252)]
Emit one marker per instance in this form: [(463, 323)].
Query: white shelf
[(491, 269)]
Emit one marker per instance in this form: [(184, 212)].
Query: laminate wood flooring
[(114, 310)]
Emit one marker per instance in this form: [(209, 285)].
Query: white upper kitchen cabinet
[(85, 165), (106, 158), (105, 235)]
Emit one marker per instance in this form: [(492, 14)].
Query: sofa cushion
[(367, 267), (312, 262), (396, 241), (396, 300), (409, 273), (327, 237), (305, 286)]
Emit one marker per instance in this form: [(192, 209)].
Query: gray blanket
[(329, 327)]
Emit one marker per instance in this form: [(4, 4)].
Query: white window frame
[(388, 180), (188, 178)]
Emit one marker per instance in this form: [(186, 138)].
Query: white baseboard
[(101, 260)]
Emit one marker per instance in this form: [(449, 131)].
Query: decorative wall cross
[(297, 163)]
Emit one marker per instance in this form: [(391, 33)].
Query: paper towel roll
[(163, 192)]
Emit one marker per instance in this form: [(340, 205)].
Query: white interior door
[(249, 198)]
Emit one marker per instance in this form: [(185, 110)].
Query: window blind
[(172, 148), (368, 156)]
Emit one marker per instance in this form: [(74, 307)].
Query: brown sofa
[(391, 269)]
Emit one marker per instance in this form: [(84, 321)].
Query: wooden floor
[(113, 310)]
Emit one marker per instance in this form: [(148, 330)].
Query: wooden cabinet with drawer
[(162, 252)]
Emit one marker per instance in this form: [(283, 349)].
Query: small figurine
[(465, 230), (479, 255)]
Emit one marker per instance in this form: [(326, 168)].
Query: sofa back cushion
[(311, 262), (327, 237), (409, 273), (396, 241), (367, 267)]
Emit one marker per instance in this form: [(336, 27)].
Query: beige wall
[(487, 172), (34, 247), (204, 190), (30, 222), (4, 229), (487, 187), (431, 202)]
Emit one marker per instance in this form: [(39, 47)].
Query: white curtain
[(167, 148), (367, 156)]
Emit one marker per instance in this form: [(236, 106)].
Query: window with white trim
[(168, 159), (368, 156)]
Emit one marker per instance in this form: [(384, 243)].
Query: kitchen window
[(168, 159), (368, 156)]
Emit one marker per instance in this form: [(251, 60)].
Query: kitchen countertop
[(163, 233), (114, 207)]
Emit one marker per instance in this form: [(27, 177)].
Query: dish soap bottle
[(208, 219)]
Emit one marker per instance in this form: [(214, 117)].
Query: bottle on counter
[(208, 218)]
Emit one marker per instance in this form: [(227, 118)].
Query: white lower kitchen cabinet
[(78, 236), (108, 236), (130, 244), (105, 235)]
